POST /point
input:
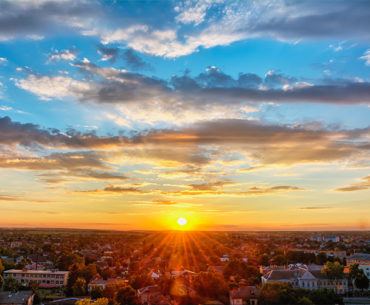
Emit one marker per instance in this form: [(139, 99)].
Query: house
[(308, 277), (244, 295), (98, 281), (151, 295), (363, 260), (16, 298)]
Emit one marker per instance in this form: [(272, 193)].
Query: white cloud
[(3, 60), (192, 12), (366, 57), (63, 55), (48, 87)]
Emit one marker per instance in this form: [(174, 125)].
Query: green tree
[(79, 287), (333, 270), (305, 301), (96, 292), (11, 284), (127, 295), (362, 282), (277, 293), (211, 285)]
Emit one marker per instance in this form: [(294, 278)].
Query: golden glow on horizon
[(182, 221)]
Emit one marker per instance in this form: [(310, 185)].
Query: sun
[(182, 221)]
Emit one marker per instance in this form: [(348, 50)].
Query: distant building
[(45, 278), (363, 260), (308, 277), (317, 237), (333, 238), (16, 298), (244, 295)]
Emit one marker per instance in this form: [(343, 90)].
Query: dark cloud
[(21, 18), (31, 135), (315, 20), (108, 53), (134, 62)]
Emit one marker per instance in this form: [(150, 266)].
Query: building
[(363, 260), (308, 277), (98, 281), (317, 237), (45, 278), (16, 298), (333, 238), (244, 295)]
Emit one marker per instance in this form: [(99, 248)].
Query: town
[(64, 266)]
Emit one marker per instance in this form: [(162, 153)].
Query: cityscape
[(184, 152)]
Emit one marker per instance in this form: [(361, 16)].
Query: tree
[(11, 284), (362, 282), (211, 285), (1, 267), (305, 301), (277, 293), (79, 287), (96, 292), (1, 281), (100, 301), (88, 272), (333, 270), (127, 295), (321, 258)]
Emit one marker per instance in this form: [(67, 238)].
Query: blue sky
[(187, 107)]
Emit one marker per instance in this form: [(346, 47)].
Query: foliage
[(96, 292), (100, 301), (362, 282), (11, 284), (333, 270), (283, 293), (79, 287), (127, 295), (211, 285), (243, 271)]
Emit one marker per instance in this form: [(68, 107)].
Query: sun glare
[(182, 221)]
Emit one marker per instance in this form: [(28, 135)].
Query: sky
[(235, 115)]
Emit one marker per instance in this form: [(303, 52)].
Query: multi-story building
[(308, 277), (333, 238), (45, 278), (317, 237), (363, 260)]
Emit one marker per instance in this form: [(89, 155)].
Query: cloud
[(212, 190), (69, 54), (3, 60), (35, 19), (365, 185), (108, 54), (51, 87), (31, 135), (314, 208), (366, 57), (116, 189), (135, 62)]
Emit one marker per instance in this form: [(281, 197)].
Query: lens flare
[(182, 221)]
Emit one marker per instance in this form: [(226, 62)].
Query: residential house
[(244, 295)]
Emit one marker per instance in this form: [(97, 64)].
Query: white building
[(308, 277), (363, 260), (45, 278)]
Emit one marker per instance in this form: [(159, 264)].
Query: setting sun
[(182, 221)]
